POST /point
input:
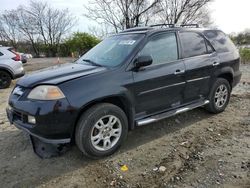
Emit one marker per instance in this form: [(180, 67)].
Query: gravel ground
[(193, 149)]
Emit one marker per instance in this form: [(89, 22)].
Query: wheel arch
[(228, 76), (227, 73), (120, 101), (8, 71)]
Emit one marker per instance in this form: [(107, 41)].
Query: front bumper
[(54, 119), (22, 126)]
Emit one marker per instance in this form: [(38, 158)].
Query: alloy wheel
[(221, 95), (106, 133)]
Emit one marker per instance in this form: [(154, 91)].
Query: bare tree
[(184, 11), (38, 23), (123, 14), (100, 31), (9, 27), (120, 14), (51, 24), (26, 25)]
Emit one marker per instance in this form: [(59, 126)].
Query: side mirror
[(143, 61)]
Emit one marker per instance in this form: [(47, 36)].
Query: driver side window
[(162, 48)]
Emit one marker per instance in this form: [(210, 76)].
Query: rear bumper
[(237, 78)]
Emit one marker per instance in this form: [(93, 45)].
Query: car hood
[(58, 74)]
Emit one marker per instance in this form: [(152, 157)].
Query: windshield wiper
[(92, 62)]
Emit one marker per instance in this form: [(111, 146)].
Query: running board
[(164, 115)]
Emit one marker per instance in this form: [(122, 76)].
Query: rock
[(210, 129), (112, 183), (162, 168), (229, 153), (221, 174), (245, 165), (220, 161), (177, 121), (155, 169), (183, 143), (177, 178)]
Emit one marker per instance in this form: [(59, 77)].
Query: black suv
[(133, 78)]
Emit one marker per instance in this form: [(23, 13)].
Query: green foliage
[(80, 43), (242, 38), (245, 55)]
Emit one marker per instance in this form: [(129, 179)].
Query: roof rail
[(136, 29), (157, 25), (190, 25)]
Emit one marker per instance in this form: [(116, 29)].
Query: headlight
[(46, 92)]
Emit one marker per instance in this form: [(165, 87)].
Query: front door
[(159, 86)]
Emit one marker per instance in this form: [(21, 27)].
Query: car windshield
[(111, 51)]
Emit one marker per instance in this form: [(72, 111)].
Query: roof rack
[(190, 25), (157, 25)]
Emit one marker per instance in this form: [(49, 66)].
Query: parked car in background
[(11, 66), (130, 79), (23, 57), (28, 56)]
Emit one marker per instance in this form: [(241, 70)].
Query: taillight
[(17, 57)]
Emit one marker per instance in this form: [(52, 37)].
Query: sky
[(232, 16)]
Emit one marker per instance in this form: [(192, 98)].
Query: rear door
[(200, 61), (160, 86)]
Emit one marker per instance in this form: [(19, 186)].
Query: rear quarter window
[(220, 41), (1, 54)]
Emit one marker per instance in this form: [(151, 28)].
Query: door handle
[(178, 71), (216, 63)]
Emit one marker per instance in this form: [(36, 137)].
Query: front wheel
[(219, 96), (101, 130)]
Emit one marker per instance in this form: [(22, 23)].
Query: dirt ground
[(193, 149)]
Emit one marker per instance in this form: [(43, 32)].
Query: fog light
[(31, 119)]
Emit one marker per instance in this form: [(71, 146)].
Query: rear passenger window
[(193, 44), (162, 48), (1, 54), (220, 41)]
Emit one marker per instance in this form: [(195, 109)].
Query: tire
[(218, 101), (94, 122), (5, 79), (24, 61)]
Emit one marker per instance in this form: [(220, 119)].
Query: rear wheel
[(101, 130), (5, 79), (219, 96)]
